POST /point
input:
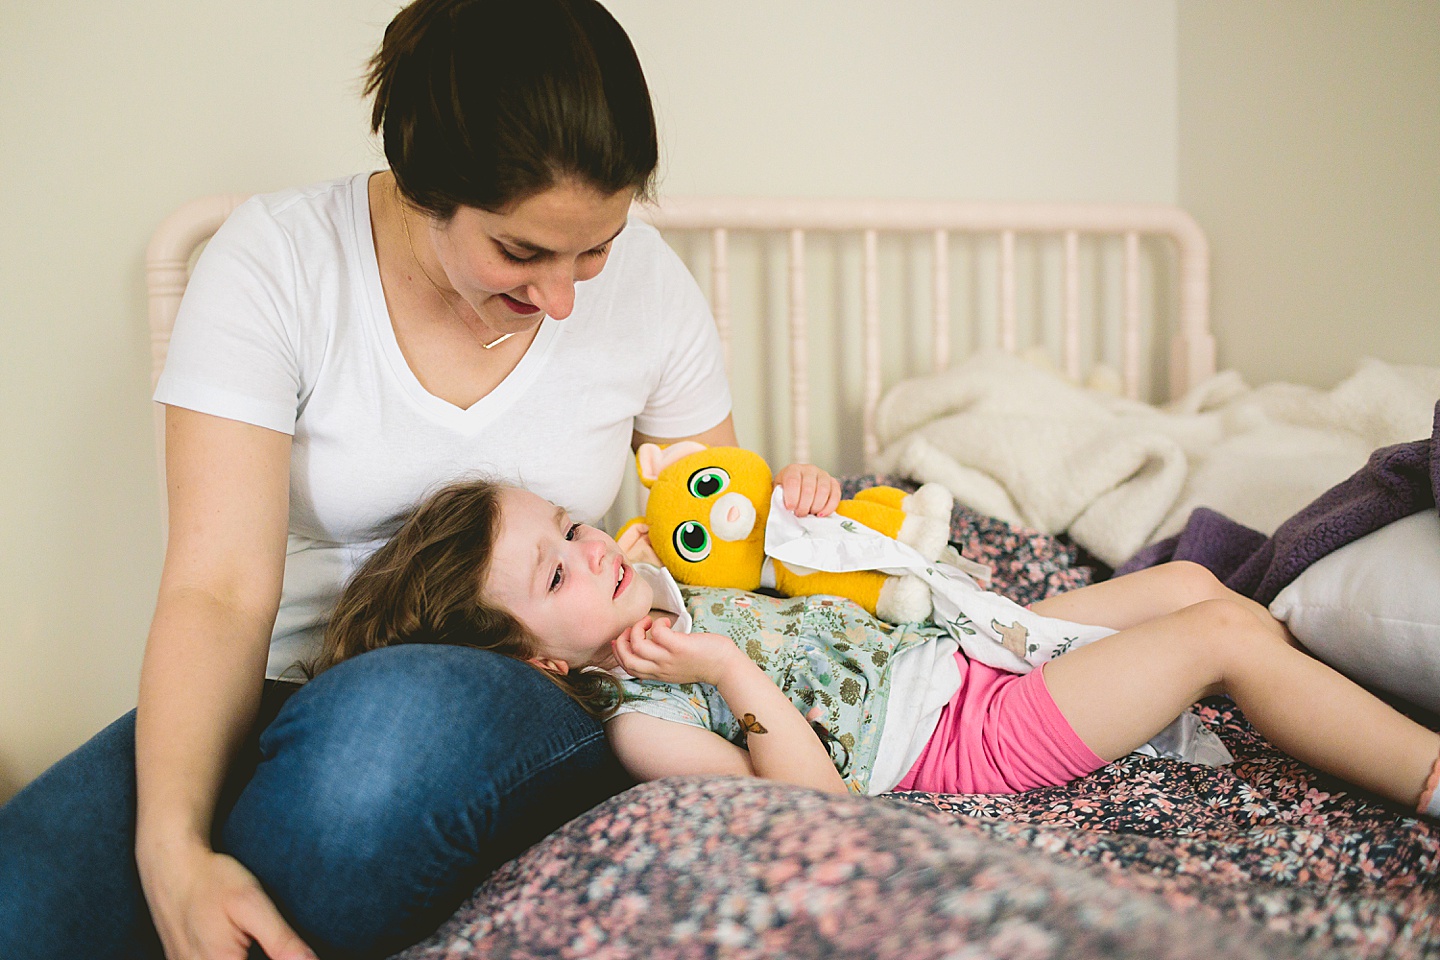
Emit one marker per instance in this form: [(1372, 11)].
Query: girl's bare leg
[(1151, 593), (1121, 690)]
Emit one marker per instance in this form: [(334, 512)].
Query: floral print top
[(832, 659)]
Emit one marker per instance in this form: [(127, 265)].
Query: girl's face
[(568, 583), (521, 264)]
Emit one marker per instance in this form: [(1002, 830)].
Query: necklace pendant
[(497, 341)]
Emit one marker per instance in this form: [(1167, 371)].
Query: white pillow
[(1372, 609)]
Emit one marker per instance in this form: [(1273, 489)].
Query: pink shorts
[(1000, 733)]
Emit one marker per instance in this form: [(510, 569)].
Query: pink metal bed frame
[(1191, 348)]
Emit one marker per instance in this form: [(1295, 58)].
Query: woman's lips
[(519, 306)]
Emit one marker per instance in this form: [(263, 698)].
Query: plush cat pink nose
[(732, 516)]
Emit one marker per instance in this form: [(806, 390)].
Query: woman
[(483, 306)]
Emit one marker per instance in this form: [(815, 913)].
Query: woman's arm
[(200, 683), (781, 744)]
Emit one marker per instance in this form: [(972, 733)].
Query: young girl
[(498, 567)]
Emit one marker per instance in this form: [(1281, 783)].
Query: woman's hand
[(207, 906), (651, 650), (634, 542), (808, 489)]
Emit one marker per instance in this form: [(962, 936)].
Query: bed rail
[(1191, 350)]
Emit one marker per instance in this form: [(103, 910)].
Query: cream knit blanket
[(1019, 442)]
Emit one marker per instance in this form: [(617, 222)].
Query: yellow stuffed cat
[(706, 516)]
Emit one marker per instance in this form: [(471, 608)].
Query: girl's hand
[(653, 651), (808, 489), (215, 909)]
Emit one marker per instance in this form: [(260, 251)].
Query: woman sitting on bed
[(500, 568), (343, 349)]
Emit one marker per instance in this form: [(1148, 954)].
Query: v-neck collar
[(382, 328)]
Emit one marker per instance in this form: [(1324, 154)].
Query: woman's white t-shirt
[(284, 325)]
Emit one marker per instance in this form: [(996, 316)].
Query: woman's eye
[(516, 257), (598, 251)]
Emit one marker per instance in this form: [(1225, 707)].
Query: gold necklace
[(405, 222)]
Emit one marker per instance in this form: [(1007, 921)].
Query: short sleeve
[(232, 352), (679, 703), (693, 391)]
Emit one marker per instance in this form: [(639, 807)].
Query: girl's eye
[(570, 532)]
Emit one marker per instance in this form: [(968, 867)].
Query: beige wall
[(113, 114), (973, 99), (1310, 153)]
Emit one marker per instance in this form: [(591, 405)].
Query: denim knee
[(391, 784)]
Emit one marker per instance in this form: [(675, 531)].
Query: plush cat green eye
[(692, 541), (707, 482)]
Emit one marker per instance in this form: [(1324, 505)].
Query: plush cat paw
[(903, 600), (928, 535)]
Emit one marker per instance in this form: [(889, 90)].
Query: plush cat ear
[(650, 459)]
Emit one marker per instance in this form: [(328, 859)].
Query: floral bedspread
[(1144, 858), (1266, 839)]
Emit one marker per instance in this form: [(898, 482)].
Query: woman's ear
[(559, 667)]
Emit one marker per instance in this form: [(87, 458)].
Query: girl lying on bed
[(497, 567)]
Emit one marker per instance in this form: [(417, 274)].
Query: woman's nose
[(555, 292)]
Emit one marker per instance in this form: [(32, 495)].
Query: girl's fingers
[(634, 663), (805, 504), (791, 486)]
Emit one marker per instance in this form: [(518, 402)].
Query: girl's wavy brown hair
[(426, 585)]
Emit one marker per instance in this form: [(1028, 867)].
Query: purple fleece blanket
[(1396, 482)]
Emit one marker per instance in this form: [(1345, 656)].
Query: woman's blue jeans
[(381, 794)]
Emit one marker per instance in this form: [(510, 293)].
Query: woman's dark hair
[(425, 585), (485, 102)]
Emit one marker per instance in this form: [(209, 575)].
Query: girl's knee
[(1193, 583), (1224, 627)]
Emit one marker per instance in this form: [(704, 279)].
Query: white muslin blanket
[(1017, 441), (989, 627)]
